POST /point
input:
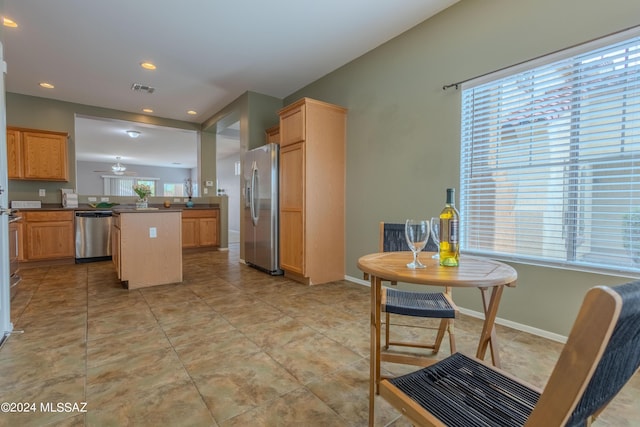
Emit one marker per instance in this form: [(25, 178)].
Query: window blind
[(550, 162), (123, 186)]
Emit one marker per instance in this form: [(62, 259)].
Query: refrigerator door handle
[(255, 195)]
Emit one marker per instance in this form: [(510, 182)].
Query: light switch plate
[(208, 183), (93, 199), (42, 192), (153, 232), (104, 199)]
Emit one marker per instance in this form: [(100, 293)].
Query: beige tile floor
[(230, 346)]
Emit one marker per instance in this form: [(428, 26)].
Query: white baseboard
[(504, 322)]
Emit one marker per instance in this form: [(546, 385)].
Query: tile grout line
[(191, 379), (86, 345)]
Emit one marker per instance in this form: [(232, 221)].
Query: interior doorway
[(228, 174)]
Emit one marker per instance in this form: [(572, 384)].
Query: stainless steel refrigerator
[(261, 224)]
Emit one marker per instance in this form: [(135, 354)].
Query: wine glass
[(417, 233), (435, 235)]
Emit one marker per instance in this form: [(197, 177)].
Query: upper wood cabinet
[(14, 154), (37, 155), (312, 191), (292, 124), (273, 135)]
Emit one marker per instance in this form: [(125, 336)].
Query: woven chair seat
[(417, 304), (600, 356), (461, 391)]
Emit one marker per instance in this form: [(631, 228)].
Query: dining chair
[(601, 354), (435, 305)]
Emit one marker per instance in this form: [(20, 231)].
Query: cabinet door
[(189, 232), (208, 232), (45, 156), (49, 240), (14, 154), (292, 128), (273, 135), (21, 240), (292, 196)]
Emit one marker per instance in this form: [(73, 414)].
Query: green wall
[(403, 129), (48, 114), (256, 113), (403, 137)]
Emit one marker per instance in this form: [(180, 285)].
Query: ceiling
[(207, 52)]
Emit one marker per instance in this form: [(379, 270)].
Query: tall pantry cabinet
[(312, 191)]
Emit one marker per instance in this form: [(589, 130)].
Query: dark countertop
[(120, 210), (128, 207)]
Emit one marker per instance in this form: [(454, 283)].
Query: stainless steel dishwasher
[(93, 236)]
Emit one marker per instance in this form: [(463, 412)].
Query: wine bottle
[(449, 232)]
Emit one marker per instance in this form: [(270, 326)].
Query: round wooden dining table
[(487, 275)]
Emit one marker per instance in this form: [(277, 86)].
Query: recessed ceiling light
[(147, 110), (193, 113), (9, 23), (148, 65), (133, 133), (46, 85)]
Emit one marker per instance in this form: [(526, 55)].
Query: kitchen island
[(146, 246)]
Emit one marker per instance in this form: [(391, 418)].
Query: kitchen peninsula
[(146, 246)]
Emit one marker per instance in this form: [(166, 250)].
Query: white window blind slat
[(123, 186), (551, 159)]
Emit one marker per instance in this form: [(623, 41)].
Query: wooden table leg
[(489, 336), (374, 357)]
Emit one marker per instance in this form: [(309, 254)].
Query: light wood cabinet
[(37, 155), (115, 244), (292, 124), (147, 247), (312, 191), (48, 235), (292, 196), (189, 232), (14, 154), (21, 250), (273, 135), (200, 228)]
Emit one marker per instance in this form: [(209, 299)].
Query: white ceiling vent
[(139, 87)]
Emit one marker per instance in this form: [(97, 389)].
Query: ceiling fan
[(118, 169)]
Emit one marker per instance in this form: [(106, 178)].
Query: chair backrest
[(601, 354), (392, 239)]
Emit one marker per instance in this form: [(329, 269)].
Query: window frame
[(528, 66), (110, 180)]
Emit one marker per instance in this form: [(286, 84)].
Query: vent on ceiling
[(139, 87)]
